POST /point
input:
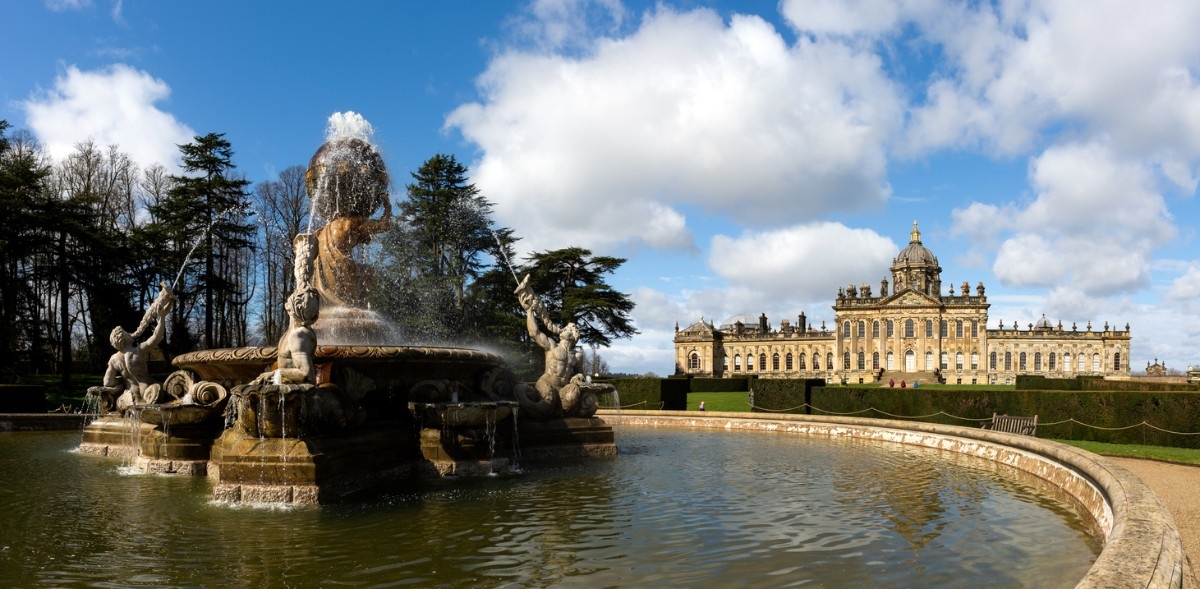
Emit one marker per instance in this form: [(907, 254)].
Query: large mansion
[(911, 332)]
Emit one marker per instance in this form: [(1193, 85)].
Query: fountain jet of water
[(504, 255)]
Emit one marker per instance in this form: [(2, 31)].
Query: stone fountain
[(338, 406)]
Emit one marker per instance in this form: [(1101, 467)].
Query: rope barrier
[(975, 419)]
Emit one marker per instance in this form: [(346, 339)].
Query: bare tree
[(283, 213)]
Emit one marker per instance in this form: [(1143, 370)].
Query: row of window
[(1069, 364), (860, 361), (960, 328)]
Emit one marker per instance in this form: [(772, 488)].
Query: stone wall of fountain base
[(309, 470), (1142, 546), (182, 451), (325, 469)]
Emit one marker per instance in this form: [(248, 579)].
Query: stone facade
[(914, 333)]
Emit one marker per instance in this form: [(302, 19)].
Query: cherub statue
[(127, 379), (298, 345)]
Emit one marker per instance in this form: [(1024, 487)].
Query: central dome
[(916, 253)]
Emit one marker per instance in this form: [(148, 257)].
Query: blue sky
[(746, 157)]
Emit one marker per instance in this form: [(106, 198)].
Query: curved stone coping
[(1142, 546), (266, 354)]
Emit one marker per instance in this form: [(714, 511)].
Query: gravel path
[(1176, 487)]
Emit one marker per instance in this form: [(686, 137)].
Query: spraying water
[(504, 254), (341, 126), (195, 244)]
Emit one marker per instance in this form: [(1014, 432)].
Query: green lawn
[(1167, 453), (719, 401)]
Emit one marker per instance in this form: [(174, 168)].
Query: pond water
[(677, 508)]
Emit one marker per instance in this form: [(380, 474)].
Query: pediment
[(909, 298)]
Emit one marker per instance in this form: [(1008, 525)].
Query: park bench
[(1013, 424)]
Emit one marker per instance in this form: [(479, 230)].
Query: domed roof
[(742, 318), (916, 253), (1043, 323)]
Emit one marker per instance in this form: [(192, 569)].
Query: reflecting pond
[(676, 508)]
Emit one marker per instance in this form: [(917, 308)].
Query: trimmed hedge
[(1110, 413), (721, 385), (790, 394), (652, 393)]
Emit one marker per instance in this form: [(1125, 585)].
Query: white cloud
[(802, 263), (686, 111), (1018, 69), (1187, 286), (114, 105), (1094, 224), (841, 17)]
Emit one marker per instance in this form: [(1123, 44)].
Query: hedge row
[(650, 393), (1083, 408), (1108, 415)]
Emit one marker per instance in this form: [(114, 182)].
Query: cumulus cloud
[(687, 111), (802, 263), (1187, 286), (1018, 69), (1094, 224), (842, 17), (117, 105)]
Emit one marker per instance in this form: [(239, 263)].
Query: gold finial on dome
[(915, 237)]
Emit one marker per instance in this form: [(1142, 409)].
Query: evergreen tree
[(435, 250), (207, 211), (572, 286)]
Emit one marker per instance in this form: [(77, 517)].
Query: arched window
[(928, 328), (862, 329), (910, 361), (725, 363), (875, 361), (846, 329), (974, 360), (862, 361), (694, 361), (1037, 361), (762, 363), (737, 362), (829, 361), (787, 362), (1095, 362), (974, 329), (874, 329), (958, 331), (992, 361), (1021, 362), (1066, 361), (891, 328), (908, 328), (945, 361), (775, 362), (1117, 361), (958, 358), (1008, 361), (928, 360), (891, 361), (800, 361), (817, 362), (1051, 360), (750, 362), (846, 361)]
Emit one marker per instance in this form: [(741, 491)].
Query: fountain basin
[(1142, 545)]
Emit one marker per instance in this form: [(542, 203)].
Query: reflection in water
[(677, 508)]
